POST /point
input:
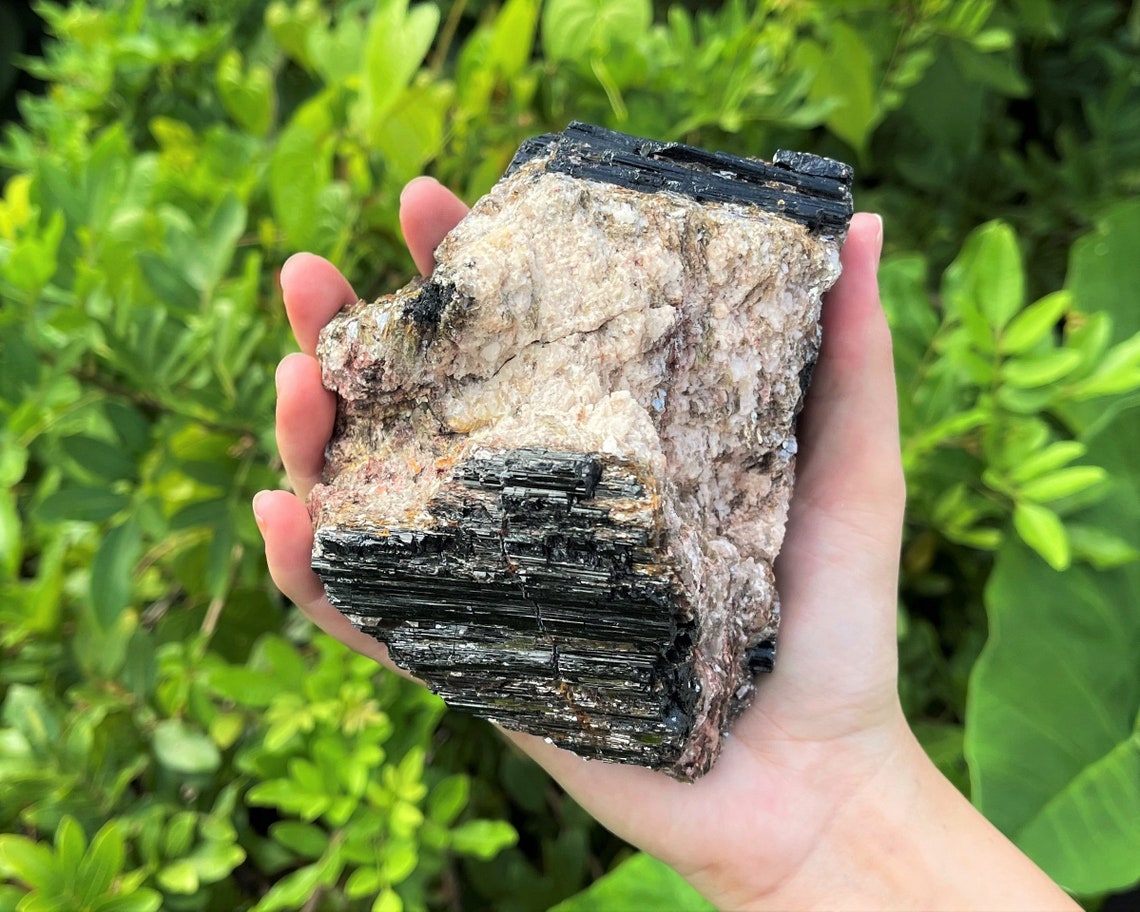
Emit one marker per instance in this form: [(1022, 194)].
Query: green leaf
[(306, 839), (184, 750), (512, 37), (1052, 457), (247, 95), (88, 504), (988, 275), (1062, 483), (1100, 548), (70, 845), (1050, 719), (1034, 323), (388, 901), (179, 877), (28, 862), (106, 460), (102, 863), (301, 165), (1104, 271), (141, 900), (168, 281), (847, 73), (11, 536), (1118, 372), (362, 882), (636, 885), (1032, 371), (398, 41), (483, 839), (215, 861), (448, 799), (1041, 529), (580, 30), (112, 571), (1102, 804)]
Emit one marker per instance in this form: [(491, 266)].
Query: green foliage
[(640, 882), (171, 734)]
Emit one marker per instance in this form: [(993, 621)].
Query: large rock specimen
[(561, 466)]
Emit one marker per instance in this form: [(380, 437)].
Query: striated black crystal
[(531, 596)]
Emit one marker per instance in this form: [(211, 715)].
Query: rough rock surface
[(561, 467)]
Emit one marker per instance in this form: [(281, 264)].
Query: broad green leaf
[(512, 37), (1102, 802), (1062, 483), (636, 885), (845, 73), (580, 30), (1041, 529), (183, 750), (1055, 696), (398, 40), (1032, 371), (1104, 271), (291, 25), (483, 838), (112, 571), (90, 504), (247, 94), (1035, 322), (300, 166), (987, 275)]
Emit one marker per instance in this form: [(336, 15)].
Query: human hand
[(822, 795)]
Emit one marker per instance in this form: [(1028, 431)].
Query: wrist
[(908, 839)]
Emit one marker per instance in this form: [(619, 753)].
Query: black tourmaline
[(562, 465)]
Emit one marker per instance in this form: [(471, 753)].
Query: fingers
[(285, 525), (305, 415), (428, 210), (838, 570), (848, 433), (314, 290)]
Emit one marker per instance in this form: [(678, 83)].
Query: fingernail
[(257, 517), (423, 178)]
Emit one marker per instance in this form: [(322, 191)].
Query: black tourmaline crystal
[(562, 465)]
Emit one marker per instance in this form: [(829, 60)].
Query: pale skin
[(822, 799)]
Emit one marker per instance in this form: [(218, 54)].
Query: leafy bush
[(172, 736)]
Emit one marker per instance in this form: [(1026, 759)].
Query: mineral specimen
[(561, 466)]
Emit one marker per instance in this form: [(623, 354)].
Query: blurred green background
[(173, 735)]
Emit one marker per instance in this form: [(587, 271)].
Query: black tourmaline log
[(562, 465)]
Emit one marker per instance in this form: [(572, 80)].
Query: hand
[(822, 795)]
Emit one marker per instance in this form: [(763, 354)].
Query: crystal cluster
[(562, 465)]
